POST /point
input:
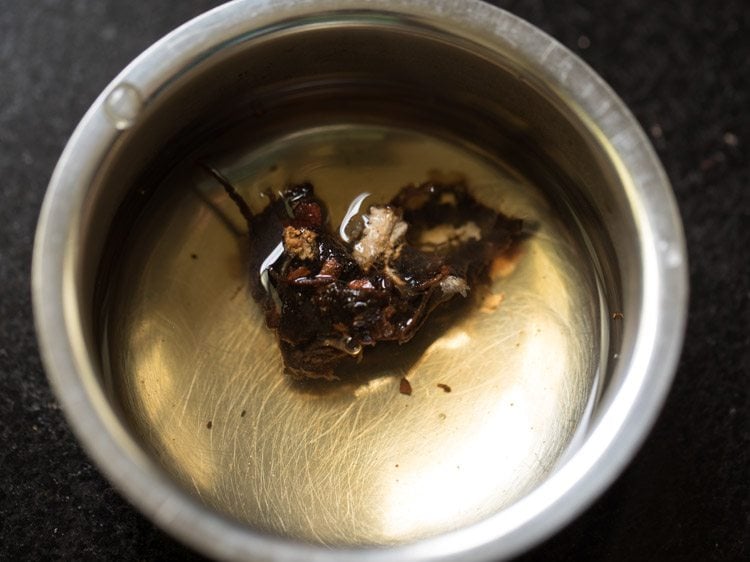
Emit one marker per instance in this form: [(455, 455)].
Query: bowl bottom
[(200, 380)]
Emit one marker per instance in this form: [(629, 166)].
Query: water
[(123, 105), (349, 463)]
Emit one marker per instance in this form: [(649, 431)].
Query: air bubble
[(123, 104)]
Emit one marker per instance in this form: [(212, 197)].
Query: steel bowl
[(175, 388)]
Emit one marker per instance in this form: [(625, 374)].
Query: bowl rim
[(567, 492)]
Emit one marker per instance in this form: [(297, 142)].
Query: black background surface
[(683, 67)]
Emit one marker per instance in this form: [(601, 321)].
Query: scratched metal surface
[(200, 378)]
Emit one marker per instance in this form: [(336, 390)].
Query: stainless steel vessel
[(175, 387)]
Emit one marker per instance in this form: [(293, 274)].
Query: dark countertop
[(684, 69)]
